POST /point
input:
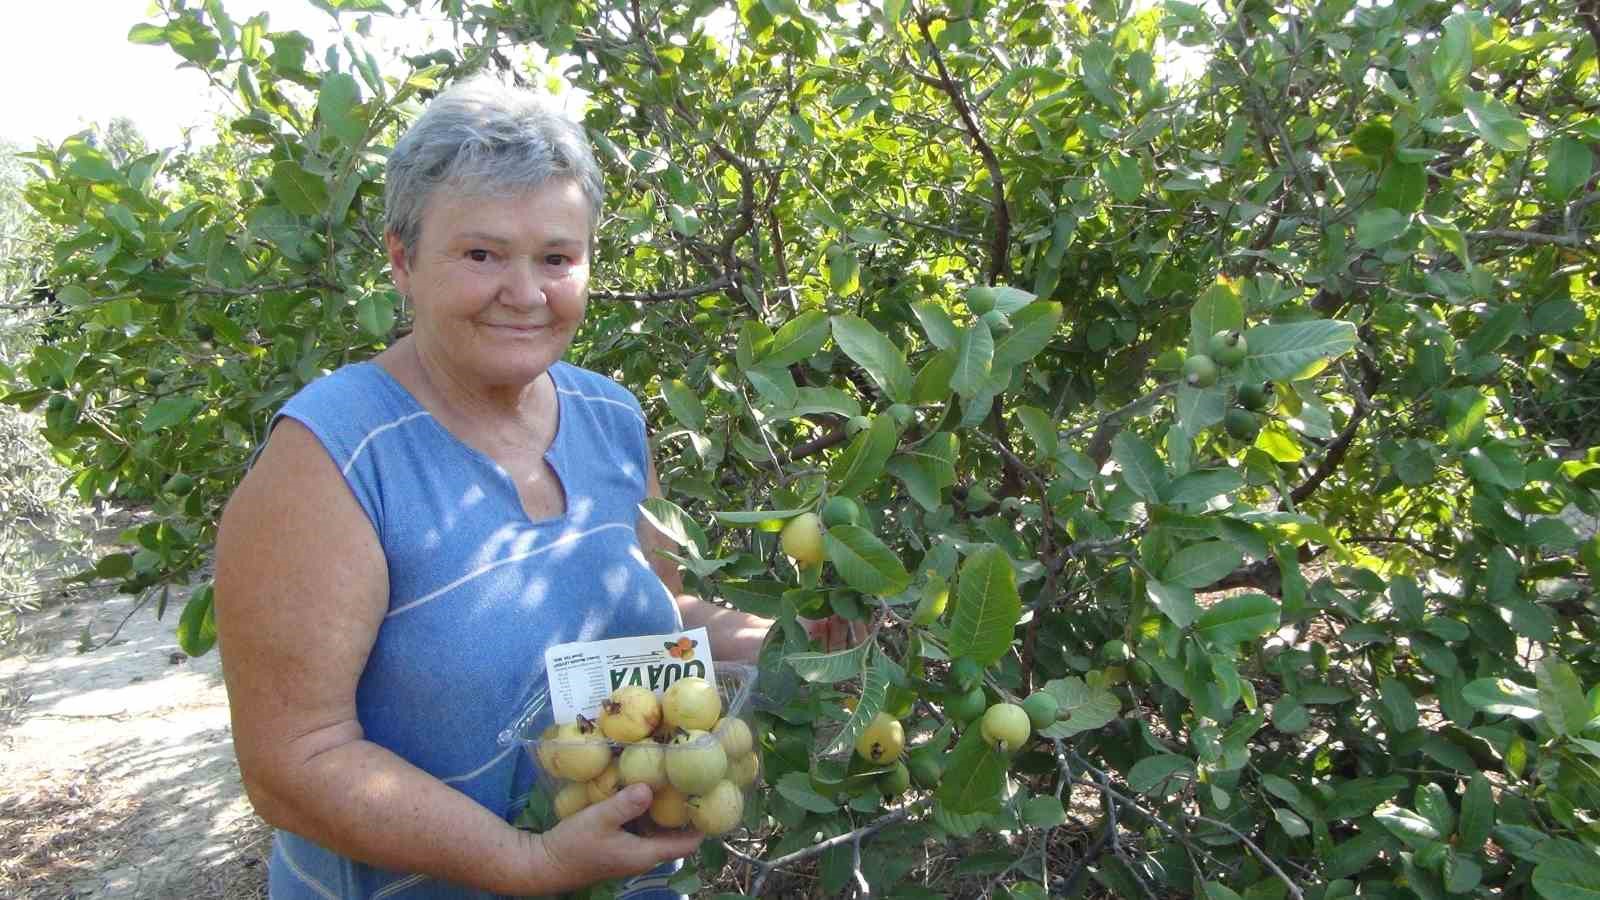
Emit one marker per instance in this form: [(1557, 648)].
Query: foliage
[(950, 261)]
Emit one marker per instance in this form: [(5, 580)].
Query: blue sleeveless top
[(477, 591)]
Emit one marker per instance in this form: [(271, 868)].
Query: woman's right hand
[(592, 845)]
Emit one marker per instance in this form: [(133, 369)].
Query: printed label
[(583, 674)]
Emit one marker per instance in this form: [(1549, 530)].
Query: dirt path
[(118, 765)]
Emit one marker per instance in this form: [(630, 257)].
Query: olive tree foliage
[(954, 262)]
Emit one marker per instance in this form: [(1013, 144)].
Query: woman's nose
[(526, 288)]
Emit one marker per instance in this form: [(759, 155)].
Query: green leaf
[(974, 360), (1202, 485), (974, 776), (1291, 350), (1041, 430), (338, 106), (799, 337), (1043, 812), (1465, 410), (170, 411), (987, 607), (1561, 697), (300, 192), (670, 519), (1451, 61), (796, 788), (1406, 825), (859, 466), (1176, 603), (375, 313), (1216, 890), (1568, 164), (1152, 771), (758, 516), (684, 403), (830, 668), (1292, 824), (1218, 309), (1496, 123), (775, 385), (1123, 175), (936, 324), (1434, 806), (1031, 331), (864, 562), (932, 384), (1141, 468), (928, 469), (197, 627), (1477, 814), (1199, 565), (1502, 697), (1241, 618), (1379, 226), (874, 690), (1352, 854), (1289, 715), (1399, 708), (881, 359), (1081, 707), (1562, 879)]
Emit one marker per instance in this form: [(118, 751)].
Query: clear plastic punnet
[(694, 742)]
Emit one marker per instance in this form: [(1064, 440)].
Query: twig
[(683, 293), (999, 260), (1123, 410), (867, 830), (1527, 237)]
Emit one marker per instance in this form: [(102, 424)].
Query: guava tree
[(1230, 423)]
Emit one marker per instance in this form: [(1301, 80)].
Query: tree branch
[(999, 255), (1528, 237), (683, 293), (1341, 444), (766, 867)]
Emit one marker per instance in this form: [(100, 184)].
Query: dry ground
[(118, 765)]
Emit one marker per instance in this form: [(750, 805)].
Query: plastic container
[(701, 778)]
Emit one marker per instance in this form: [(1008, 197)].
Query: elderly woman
[(421, 526)]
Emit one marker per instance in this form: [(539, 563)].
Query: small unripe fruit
[(696, 762), (801, 538), (571, 799), (926, 768), (631, 714), (692, 704), (882, 741), (180, 484), (1253, 396), (1199, 371), (1229, 348), (580, 752), (965, 673), (1042, 709), (1241, 424), (735, 737), (745, 770), (644, 763), (841, 511), (605, 785), (669, 808), (903, 415), (931, 607), (967, 707), (896, 781), (1005, 727), (717, 811)]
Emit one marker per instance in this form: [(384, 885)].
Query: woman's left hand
[(835, 632)]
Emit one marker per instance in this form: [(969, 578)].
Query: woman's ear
[(399, 264)]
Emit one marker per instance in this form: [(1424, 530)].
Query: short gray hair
[(481, 137)]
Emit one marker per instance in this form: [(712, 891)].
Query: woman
[(422, 525)]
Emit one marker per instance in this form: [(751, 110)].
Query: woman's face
[(499, 284)]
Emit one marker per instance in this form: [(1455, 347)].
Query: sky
[(65, 64)]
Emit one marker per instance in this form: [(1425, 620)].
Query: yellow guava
[(882, 741), (695, 762), (571, 799), (718, 810), (801, 538), (580, 752), (644, 763), (692, 704), (1005, 727), (744, 770), (735, 736), (605, 785), (630, 714), (669, 808)]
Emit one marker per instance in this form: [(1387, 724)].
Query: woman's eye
[(555, 259), (478, 255)]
